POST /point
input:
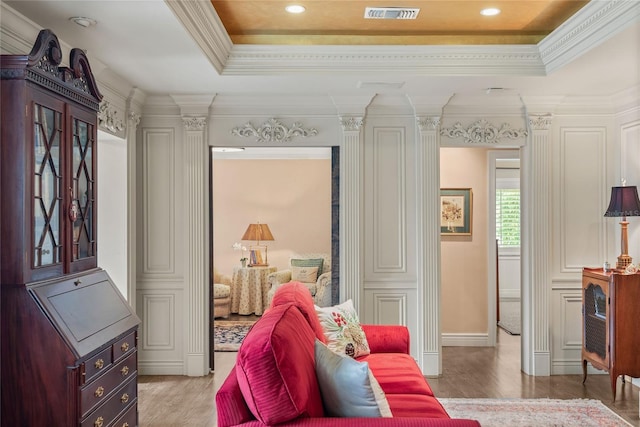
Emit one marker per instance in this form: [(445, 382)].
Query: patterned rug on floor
[(534, 412), (228, 334)]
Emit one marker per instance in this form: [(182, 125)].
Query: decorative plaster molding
[(540, 122), (430, 60), (135, 118), (483, 132), (350, 123), (108, 118), (194, 123), (273, 130), (428, 123)]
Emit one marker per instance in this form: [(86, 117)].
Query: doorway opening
[(507, 233), (295, 190)]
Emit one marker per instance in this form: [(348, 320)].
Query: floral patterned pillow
[(342, 329)]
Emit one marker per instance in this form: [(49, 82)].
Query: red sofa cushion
[(298, 294), (278, 379), (231, 408), (397, 373), (415, 405)]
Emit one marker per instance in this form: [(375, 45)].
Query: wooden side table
[(249, 288), (610, 312)]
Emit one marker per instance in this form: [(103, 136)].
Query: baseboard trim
[(465, 340), (161, 368)]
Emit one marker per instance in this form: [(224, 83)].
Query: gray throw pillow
[(348, 387)]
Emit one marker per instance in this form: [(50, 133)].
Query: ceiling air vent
[(391, 13)]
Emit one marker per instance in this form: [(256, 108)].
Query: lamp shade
[(257, 232), (624, 202)]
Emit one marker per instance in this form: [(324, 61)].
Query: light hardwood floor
[(467, 372)]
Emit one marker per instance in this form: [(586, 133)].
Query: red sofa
[(274, 383)]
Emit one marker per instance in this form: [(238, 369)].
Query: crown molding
[(426, 60), (593, 24), (202, 22)]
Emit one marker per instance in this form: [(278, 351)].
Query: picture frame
[(456, 211)]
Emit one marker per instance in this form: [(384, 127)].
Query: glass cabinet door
[(83, 195), (47, 186)]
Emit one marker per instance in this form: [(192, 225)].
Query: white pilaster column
[(196, 228), (536, 230), (350, 214), (428, 259), (133, 120), (194, 110)]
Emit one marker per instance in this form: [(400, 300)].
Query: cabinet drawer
[(124, 398), (124, 346), (101, 389), (129, 419), (96, 365)]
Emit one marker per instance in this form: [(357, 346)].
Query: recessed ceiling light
[(83, 21), (490, 11), (295, 8)]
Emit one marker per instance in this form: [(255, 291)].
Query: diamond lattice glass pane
[(49, 192), (46, 187), (83, 244), (48, 249), (82, 191)]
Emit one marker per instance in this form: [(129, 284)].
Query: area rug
[(534, 412), (228, 334), (510, 317)]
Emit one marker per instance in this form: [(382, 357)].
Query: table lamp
[(624, 202), (258, 252)]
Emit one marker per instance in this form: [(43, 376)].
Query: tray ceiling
[(340, 22)]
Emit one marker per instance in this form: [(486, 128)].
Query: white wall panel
[(509, 277), (567, 336), (161, 348), (158, 201), (388, 192), (580, 197), (159, 314), (390, 304), (390, 308)]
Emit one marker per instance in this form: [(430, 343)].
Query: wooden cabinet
[(69, 338), (49, 131), (610, 315)]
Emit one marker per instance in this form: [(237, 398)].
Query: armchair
[(320, 289)]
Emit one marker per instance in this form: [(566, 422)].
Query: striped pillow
[(275, 367)]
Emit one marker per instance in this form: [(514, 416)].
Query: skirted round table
[(249, 288)]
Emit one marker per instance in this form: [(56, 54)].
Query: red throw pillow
[(276, 369), (298, 294)]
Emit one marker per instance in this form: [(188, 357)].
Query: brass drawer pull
[(124, 371), (99, 391), (124, 398), (99, 364), (99, 422), (125, 424), (124, 347)]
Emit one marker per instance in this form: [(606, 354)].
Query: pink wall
[(292, 196), (464, 258)]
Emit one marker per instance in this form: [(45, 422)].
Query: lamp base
[(623, 261)]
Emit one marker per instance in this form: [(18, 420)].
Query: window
[(508, 217)]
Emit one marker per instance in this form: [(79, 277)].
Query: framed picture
[(456, 209)]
